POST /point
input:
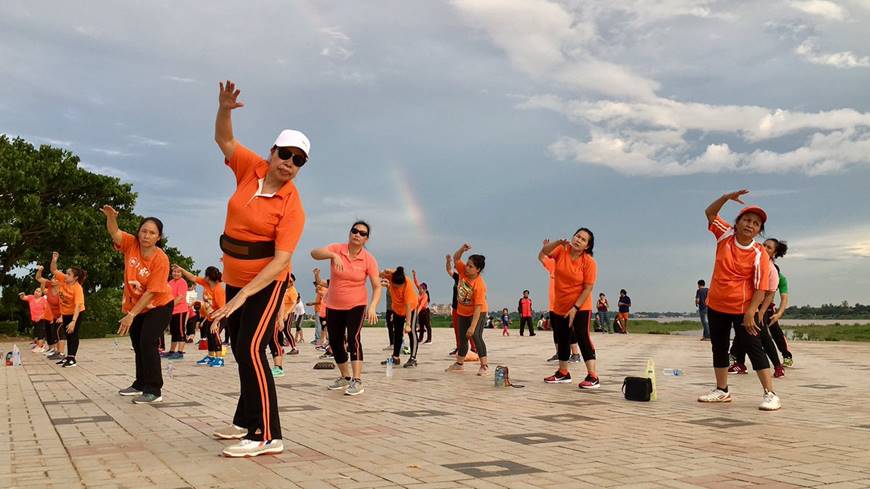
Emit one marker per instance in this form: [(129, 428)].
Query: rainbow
[(413, 209)]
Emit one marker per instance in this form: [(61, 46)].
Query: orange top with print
[(469, 293), (144, 275), (254, 216), (70, 295), (214, 296), (737, 272), (570, 276)]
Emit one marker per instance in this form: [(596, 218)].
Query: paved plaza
[(424, 428)]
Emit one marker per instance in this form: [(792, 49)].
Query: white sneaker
[(231, 432), (252, 448), (770, 402), (715, 395)]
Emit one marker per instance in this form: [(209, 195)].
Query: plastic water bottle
[(390, 368), (16, 356), (651, 375), (170, 369), (499, 377), (673, 372), (116, 343)]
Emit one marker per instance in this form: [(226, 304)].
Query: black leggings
[(399, 330), (145, 333), (720, 333), (250, 327), (214, 339), (738, 352), (72, 338), (526, 321), (578, 332), (389, 319), (50, 332), (464, 324), (341, 323), (40, 328), (176, 327), (425, 326)]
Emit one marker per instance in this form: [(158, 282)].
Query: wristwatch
[(576, 307)]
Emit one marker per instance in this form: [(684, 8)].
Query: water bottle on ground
[(390, 368), (170, 369), (651, 375), (672, 372), (16, 356)]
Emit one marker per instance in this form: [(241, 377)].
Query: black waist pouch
[(637, 388), (247, 250)]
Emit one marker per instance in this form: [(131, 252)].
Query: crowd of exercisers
[(253, 305)]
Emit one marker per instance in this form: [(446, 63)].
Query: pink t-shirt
[(37, 307), (347, 288), (179, 289)]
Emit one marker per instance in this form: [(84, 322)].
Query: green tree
[(48, 203)]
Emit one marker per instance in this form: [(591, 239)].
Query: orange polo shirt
[(70, 295), (143, 275), (256, 217), (469, 293), (570, 277), (737, 272)]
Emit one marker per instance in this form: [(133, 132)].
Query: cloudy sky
[(497, 122)]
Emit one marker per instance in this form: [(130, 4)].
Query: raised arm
[(112, 224), (449, 265), (189, 276), (223, 125), (52, 267), (457, 256), (713, 209), (416, 282), (548, 248), (39, 278)]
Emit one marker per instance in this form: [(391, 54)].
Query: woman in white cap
[(263, 225)]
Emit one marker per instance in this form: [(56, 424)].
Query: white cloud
[(105, 170), (820, 8), (338, 44), (831, 244), (147, 141), (179, 79), (844, 59), (110, 152)]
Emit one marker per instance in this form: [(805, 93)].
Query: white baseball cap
[(295, 139)]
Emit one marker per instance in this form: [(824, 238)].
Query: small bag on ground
[(637, 388)]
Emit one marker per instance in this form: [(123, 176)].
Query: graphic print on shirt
[(141, 271), (464, 293)]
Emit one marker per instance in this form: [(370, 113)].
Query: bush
[(8, 328), (102, 313)]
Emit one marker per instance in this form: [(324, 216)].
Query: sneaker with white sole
[(355, 388), (252, 448), (148, 399), (589, 382), (231, 432), (455, 367), (553, 358), (575, 358), (559, 378), (205, 360), (715, 395), (130, 391), (277, 372), (770, 402), (483, 371), (339, 384), (788, 362)]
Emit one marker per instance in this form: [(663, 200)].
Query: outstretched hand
[(229, 96), (735, 196), (109, 211)]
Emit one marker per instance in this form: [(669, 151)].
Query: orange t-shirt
[(290, 298), (214, 296), (144, 275), (550, 266), (320, 301), (469, 293), (70, 295), (52, 295), (402, 296), (257, 217), (570, 277), (737, 272)]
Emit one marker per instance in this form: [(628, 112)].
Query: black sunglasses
[(285, 153), (364, 234)]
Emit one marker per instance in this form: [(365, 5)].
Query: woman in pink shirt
[(350, 265), (38, 305), (179, 315)]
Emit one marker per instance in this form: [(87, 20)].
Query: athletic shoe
[(396, 362), (559, 378), (130, 391), (277, 372), (430, 342), (778, 372), (320, 348), (327, 355), (293, 352), (788, 362), (532, 334), (553, 358), (455, 350), (455, 367), (164, 354), (412, 362), (147, 399), (69, 362), (61, 361), (483, 371), (732, 358), (216, 362), (339, 384), (715, 395), (356, 388), (406, 350), (175, 356), (737, 368), (231, 432), (575, 358), (205, 361), (590, 382), (770, 402), (252, 448), (50, 352), (57, 356)]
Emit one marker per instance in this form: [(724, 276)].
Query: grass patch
[(645, 326), (834, 332)]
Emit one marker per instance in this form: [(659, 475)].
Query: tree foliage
[(49, 203)]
